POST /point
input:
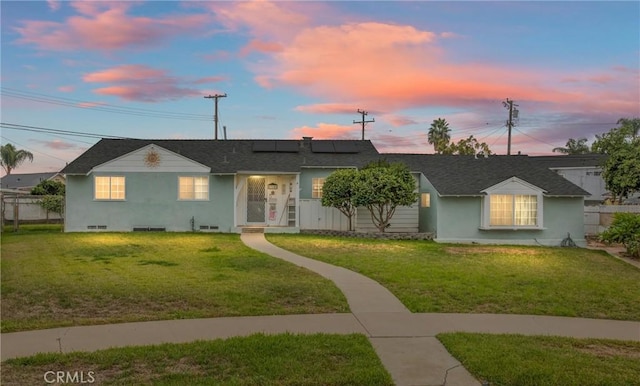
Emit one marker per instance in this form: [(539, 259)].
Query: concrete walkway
[(410, 359), (405, 342)]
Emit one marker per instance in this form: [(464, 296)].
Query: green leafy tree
[(621, 170), (49, 187), (11, 158), (381, 188), (467, 146), (338, 191), (439, 135), (574, 146), (52, 193)]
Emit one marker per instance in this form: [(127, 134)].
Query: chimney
[(306, 141)]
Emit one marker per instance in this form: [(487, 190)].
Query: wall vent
[(149, 229), (96, 227), (208, 227)]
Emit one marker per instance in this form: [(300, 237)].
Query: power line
[(33, 150), (104, 107), (36, 129), (535, 139)]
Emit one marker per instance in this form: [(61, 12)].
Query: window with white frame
[(513, 210), (316, 187), (109, 188), (512, 204), (193, 188)]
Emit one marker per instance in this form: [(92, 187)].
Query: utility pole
[(509, 104), (215, 114), (363, 121)]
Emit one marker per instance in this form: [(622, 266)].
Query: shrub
[(624, 229)]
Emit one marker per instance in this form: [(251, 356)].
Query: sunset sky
[(291, 69)]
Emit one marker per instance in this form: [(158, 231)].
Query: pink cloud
[(326, 131), (391, 67), (262, 18), (398, 120), (329, 108), (57, 144), (66, 88), (54, 5), (105, 26), (143, 83), (260, 46)]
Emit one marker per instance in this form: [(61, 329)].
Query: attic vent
[(149, 229)]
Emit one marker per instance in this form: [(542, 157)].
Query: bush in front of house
[(624, 229)]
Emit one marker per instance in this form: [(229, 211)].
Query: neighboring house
[(584, 170), (26, 182), (224, 186)]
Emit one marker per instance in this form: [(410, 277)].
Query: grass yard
[(432, 277), (542, 360), (52, 279), (255, 360)]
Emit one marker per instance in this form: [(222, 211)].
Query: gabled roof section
[(458, 175), (231, 156), (513, 184), (163, 161)]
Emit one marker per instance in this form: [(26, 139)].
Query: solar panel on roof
[(264, 146), (287, 147), (322, 147), (346, 147)]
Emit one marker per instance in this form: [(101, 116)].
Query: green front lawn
[(542, 360), (255, 360), (432, 277), (63, 279)]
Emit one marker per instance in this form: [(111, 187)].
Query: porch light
[(272, 186)]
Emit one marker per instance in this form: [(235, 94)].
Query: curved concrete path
[(410, 359), (404, 341)]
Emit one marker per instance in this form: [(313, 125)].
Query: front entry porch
[(266, 201)]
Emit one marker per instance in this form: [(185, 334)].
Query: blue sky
[(291, 69)]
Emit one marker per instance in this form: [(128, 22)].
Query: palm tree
[(573, 147), (12, 157), (439, 135)]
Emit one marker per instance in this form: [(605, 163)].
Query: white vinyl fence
[(26, 209), (598, 218)]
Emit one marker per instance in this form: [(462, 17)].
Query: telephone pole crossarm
[(363, 121), (215, 114)]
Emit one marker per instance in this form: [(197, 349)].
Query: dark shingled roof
[(450, 175), (457, 175), (27, 180), (231, 156)]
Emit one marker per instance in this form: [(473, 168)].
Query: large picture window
[(193, 188), (109, 188), (513, 210), (316, 187)]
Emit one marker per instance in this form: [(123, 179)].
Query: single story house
[(27, 181), (226, 186)]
